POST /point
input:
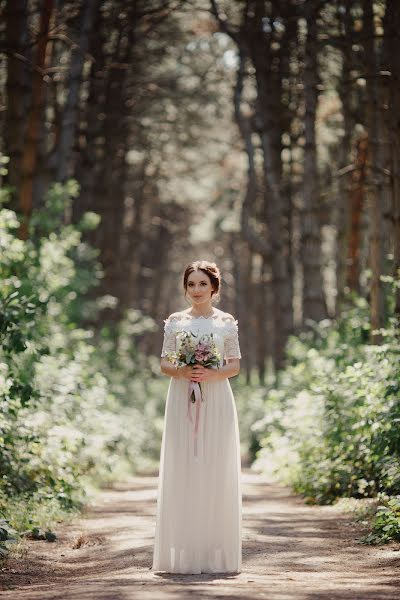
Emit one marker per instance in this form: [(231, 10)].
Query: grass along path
[(290, 551)]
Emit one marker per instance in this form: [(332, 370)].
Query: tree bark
[(30, 152), (314, 306), (356, 211), (345, 195), (268, 120), (375, 195), (244, 123), (18, 91), (63, 154), (91, 139), (392, 29), (260, 305)]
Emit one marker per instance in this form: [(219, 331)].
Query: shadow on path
[(291, 551)]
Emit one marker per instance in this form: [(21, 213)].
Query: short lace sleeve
[(169, 337), (231, 339)]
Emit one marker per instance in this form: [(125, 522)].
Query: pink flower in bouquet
[(202, 352)]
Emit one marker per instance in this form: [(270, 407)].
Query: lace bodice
[(222, 325)]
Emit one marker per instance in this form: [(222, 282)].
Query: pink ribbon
[(194, 387)]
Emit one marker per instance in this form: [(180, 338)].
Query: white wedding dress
[(199, 502)]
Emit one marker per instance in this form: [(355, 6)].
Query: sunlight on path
[(290, 551)]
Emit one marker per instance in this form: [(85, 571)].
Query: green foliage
[(8, 536), (331, 425), (58, 202), (66, 393), (386, 524)]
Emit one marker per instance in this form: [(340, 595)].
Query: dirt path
[(290, 551)]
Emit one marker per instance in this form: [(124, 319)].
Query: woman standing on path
[(199, 502)]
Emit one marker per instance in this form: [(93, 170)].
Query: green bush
[(386, 521), (331, 425), (67, 392)]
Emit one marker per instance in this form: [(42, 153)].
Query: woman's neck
[(203, 312)]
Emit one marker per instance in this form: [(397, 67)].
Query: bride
[(199, 501)]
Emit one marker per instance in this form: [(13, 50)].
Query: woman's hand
[(200, 373), (185, 372)]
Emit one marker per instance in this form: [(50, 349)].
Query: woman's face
[(199, 287)]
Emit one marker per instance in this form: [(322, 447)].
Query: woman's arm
[(168, 368), (180, 373), (199, 373)]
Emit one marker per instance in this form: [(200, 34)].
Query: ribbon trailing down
[(194, 387)]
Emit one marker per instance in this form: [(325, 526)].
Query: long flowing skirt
[(199, 502)]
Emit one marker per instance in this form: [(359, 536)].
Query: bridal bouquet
[(193, 350)]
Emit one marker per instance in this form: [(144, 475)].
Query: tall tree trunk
[(112, 181), (344, 196), (17, 90), (256, 242), (392, 39), (63, 155), (268, 120), (314, 306), (242, 265), (44, 174), (260, 306), (356, 210), (91, 142), (375, 195), (288, 49), (30, 152)]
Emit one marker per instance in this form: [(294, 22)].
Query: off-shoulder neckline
[(214, 315), (184, 314)]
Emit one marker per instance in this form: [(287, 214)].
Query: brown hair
[(210, 269)]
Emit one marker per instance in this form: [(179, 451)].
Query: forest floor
[(291, 551)]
